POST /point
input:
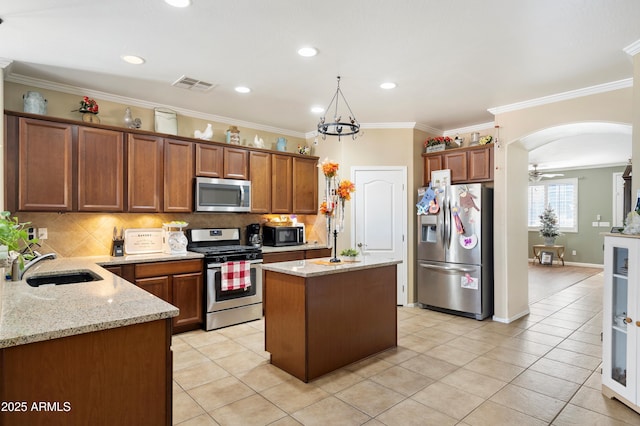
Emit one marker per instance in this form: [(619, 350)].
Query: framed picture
[(546, 258)]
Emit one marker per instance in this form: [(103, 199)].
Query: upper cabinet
[(144, 173), (209, 160), (260, 176), (45, 165), (178, 176), (281, 184), (305, 185), (100, 170), (467, 165), (236, 163)]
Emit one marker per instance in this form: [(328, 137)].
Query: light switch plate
[(43, 234)]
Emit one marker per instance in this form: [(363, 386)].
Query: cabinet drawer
[(144, 270), (284, 256)]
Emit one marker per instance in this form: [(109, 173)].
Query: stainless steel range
[(225, 307)]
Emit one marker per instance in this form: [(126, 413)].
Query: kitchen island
[(321, 316), (85, 353)]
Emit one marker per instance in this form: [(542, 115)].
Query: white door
[(379, 219)]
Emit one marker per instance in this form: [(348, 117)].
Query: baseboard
[(511, 319), (584, 265)]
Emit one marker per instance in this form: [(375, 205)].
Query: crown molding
[(572, 94), (470, 129), (75, 90), (633, 48), (5, 64)]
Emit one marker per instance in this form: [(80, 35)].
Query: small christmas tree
[(549, 224)]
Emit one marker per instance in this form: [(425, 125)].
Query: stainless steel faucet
[(17, 273)]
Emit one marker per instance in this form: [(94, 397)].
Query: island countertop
[(318, 267), (31, 314)]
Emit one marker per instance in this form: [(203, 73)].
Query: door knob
[(359, 245), (628, 320), (637, 323)]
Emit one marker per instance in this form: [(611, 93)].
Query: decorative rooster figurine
[(207, 134)]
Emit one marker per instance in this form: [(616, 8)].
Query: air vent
[(189, 83)]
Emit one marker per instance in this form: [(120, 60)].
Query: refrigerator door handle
[(446, 267)]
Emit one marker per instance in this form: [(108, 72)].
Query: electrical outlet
[(42, 234), (31, 233), (595, 224), (598, 217), (605, 224), (573, 253)]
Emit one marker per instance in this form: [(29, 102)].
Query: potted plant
[(349, 254), (14, 238), (549, 229), (437, 143)]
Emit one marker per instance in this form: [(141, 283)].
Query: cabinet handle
[(637, 323), (628, 320)]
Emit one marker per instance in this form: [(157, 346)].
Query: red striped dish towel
[(235, 275)]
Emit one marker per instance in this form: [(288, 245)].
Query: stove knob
[(216, 259), (224, 259)]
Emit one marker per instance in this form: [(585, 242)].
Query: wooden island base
[(317, 324)]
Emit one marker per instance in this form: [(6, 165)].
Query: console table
[(539, 248)]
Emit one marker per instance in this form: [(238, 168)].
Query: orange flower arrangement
[(329, 168), (345, 188), (324, 210)]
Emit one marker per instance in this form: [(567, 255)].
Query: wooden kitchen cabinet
[(281, 184), (209, 160), (178, 176), (260, 176), (144, 173), (100, 170), (305, 185), (236, 163), (468, 165), (45, 166), (179, 283), (282, 256)]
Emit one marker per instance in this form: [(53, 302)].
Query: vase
[(34, 103), (549, 241)]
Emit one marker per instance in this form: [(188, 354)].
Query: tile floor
[(447, 370)]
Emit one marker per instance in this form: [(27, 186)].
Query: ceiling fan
[(536, 176)]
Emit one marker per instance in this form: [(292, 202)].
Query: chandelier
[(337, 127)]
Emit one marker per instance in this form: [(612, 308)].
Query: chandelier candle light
[(338, 192), (337, 127)]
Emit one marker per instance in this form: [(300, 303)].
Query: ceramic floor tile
[(526, 346), (263, 377), (294, 395), (529, 402), (401, 380), (573, 358), (188, 358), (251, 411), (573, 415), (594, 400), (512, 356), (441, 397), (286, 421), (397, 355), (185, 408), (561, 370), (199, 374), (221, 349), (370, 397), (431, 367), (201, 338), (494, 368), (241, 361), (587, 337), (539, 337), (417, 343), (330, 411), (409, 413), (547, 385), (201, 420), (472, 382), (595, 380), (220, 392), (475, 346), (451, 354), (492, 414), (581, 347)]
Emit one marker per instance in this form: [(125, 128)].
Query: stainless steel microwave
[(222, 195), (277, 236)]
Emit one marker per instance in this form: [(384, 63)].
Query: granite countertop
[(318, 267), (308, 246), (31, 314)]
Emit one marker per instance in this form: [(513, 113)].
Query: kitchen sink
[(58, 278)]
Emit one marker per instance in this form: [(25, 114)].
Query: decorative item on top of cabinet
[(34, 103), (166, 121), (129, 121), (233, 135), (206, 134)]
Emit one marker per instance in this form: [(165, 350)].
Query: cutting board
[(143, 240)]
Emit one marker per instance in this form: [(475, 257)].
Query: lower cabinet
[(286, 256), (177, 282)]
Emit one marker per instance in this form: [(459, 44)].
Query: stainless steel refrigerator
[(455, 250)]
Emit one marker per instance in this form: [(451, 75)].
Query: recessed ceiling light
[(388, 85), (307, 52), (317, 109), (133, 59), (178, 3), (242, 89)]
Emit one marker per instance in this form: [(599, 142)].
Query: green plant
[(13, 234), (349, 252), (549, 223)]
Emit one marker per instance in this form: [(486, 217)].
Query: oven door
[(218, 300)]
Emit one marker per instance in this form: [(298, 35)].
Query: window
[(561, 195)]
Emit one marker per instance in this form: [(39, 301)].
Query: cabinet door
[(620, 317), (480, 162), (236, 163), (431, 163), (45, 166), (457, 163), (260, 172), (144, 173), (187, 291), (178, 176), (281, 184), (158, 286), (100, 170), (305, 186), (209, 160), (316, 253), (282, 256)]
